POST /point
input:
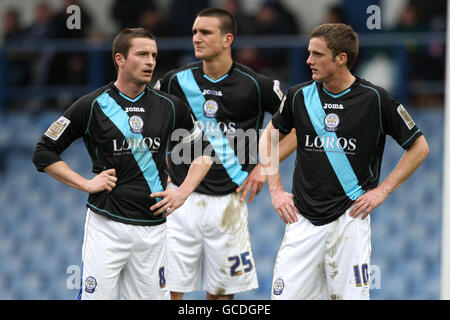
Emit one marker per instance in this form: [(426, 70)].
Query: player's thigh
[(299, 272), (103, 257), (144, 277), (229, 263), (348, 258), (185, 245)]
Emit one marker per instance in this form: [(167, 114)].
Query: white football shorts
[(115, 252), (324, 262), (214, 228)]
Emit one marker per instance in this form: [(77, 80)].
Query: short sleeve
[(283, 118), (183, 115), (61, 133), (397, 122), (163, 84), (271, 95)]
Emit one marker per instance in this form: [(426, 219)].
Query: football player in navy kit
[(341, 123), (125, 126), (228, 101)]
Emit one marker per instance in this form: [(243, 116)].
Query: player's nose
[(150, 61), (196, 37)]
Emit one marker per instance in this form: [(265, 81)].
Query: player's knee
[(210, 296), (176, 295)]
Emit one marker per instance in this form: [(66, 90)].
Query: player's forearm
[(287, 145), (62, 172), (197, 172), (275, 183), (270, 157), (409, 163)]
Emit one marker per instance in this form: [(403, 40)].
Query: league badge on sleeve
[(282, 104), (405, 116), (276, 89), (57, 128), (157, 85)]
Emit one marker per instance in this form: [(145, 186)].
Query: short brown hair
[(122, 41), (227, 22), (340, 38)]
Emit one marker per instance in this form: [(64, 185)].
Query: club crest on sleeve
[(90, 284), (278, 286)]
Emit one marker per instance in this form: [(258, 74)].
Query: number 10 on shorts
[(364, 273), (243, 260)]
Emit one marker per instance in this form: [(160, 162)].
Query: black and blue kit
[(230, 111), (129, 135), (340, 143)]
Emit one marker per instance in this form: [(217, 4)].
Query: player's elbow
[(424, 148), (37, 160), (205, 160), (43, 157), (421, 148)]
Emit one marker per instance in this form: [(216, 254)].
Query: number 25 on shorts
[(238, 261)]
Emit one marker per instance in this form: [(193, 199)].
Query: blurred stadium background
[(44, 67)]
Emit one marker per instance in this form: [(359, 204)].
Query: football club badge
[(210, 108), (331, 122), (278, 286), (136, 124), (90, 284)]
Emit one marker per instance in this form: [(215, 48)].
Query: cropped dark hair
[(122, 41), (339, 38), (227, 22)]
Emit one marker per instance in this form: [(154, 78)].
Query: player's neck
[(130, 89), (339, 83), (216, 68)]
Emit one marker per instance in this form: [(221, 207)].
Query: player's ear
[(228, 40), (120, 59), (341, 59)]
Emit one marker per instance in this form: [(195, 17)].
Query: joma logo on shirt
[(212, 92), (333, 106), (134, 109)]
